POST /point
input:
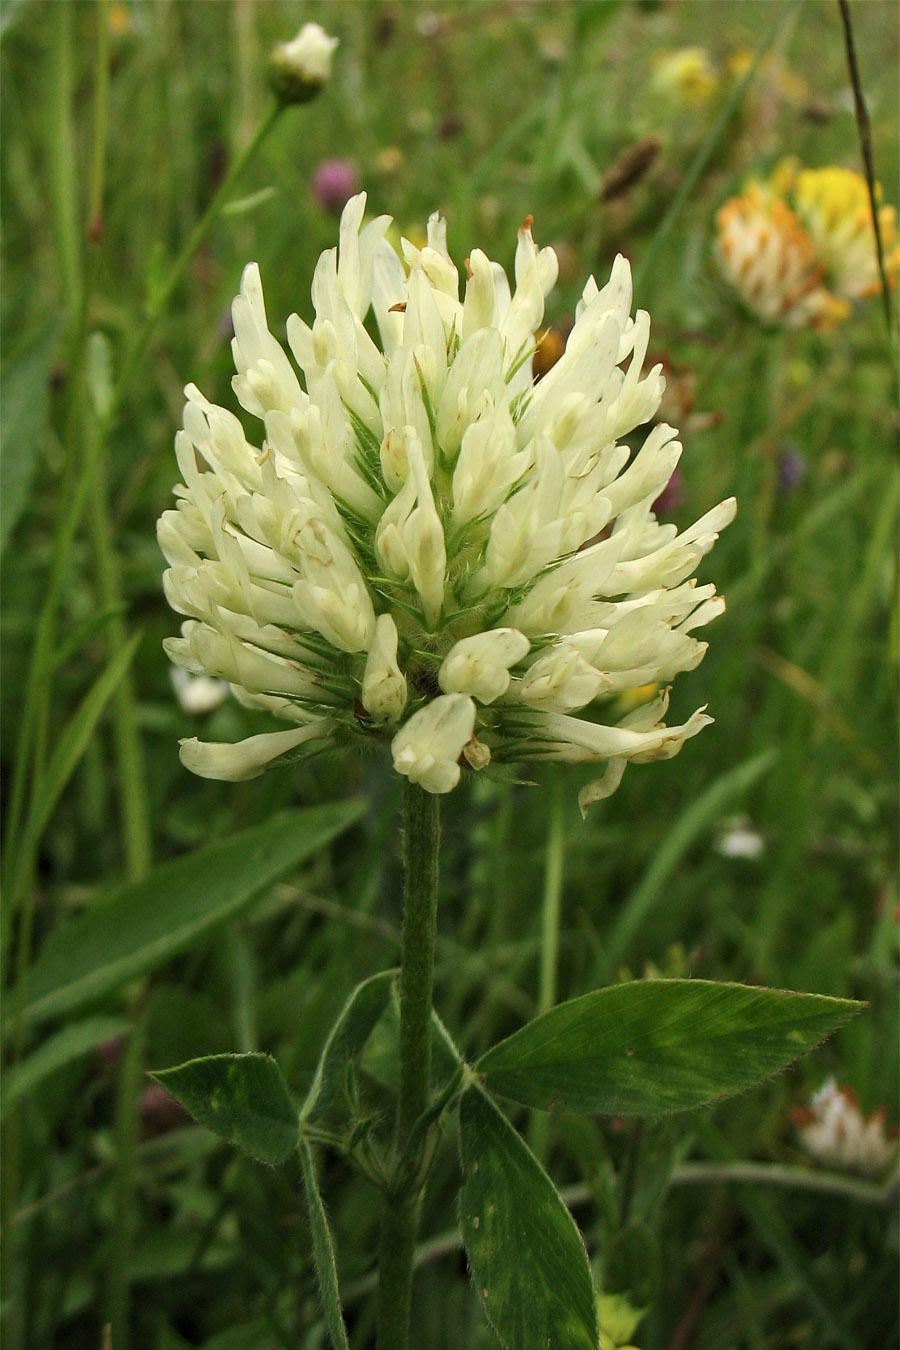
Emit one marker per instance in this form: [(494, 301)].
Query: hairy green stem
[(326, 1268), (402, 1202), (554, 860)]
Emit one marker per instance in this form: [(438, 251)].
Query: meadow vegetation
[(765, 853)]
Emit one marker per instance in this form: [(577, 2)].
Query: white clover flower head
[(298, 69), (834, 1131), (429, 547)]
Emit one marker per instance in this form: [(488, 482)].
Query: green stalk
[(402, 1202), (24, 787), (323, 1249), (864, 129), (118, 1281), (72, 510), (126, 737), (550, 909)]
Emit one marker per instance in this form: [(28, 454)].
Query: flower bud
[(479, 665), (383, 683), (248, 758), (427, 749), (299, 69)]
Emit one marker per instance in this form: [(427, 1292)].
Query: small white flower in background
[(198, 694), (431, 548), (738, 839), (834, 1131), (299, 69)]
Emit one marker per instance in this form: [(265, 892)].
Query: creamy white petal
[(249, 758), (480, 665), (384, 684), (427, 748)]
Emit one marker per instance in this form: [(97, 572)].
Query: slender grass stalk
[(402, 1202), (33, 728), (865, 144), (64, 219), (707, 150), (74, 503), (131, 779)]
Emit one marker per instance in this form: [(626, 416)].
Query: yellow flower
[(770, 260), (835, 209), (685, 76)]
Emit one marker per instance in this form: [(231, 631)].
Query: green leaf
[(70, 745), (177, 905), (346, 1041), (243, 1098), (24, 391), (249, 203), (525, 1253), (658, 1045), (68, 1044)]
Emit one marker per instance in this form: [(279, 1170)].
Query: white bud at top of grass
[(429, 532), (298, 69)]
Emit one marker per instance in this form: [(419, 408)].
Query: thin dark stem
[(400, 1217), (865, 143)]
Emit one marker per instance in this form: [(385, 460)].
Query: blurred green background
[(766, 852)]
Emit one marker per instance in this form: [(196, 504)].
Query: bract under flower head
[(430, 548)]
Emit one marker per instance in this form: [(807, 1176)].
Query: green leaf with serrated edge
[(653, 1046), (525, 1254), (68, 1044), (243, 1098), (178, 904), (346, 1041)]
